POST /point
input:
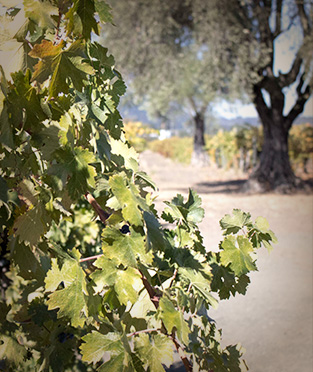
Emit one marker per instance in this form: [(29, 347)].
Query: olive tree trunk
[(274, 170), (199, 157)]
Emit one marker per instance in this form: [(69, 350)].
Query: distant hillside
[(179, 122), (229, 123)]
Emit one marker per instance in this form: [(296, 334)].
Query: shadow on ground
[(236, 186), (225, 187)]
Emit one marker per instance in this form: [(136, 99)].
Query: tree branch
[(305, 22), (193, 105), (291, 76), (278, 19), (299, 105), (260, 104)]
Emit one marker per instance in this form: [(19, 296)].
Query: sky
[(232, 111)]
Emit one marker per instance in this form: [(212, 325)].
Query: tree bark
[(274, 170), (199, 157)]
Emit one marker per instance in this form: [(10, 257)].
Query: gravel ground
[(273, 321)]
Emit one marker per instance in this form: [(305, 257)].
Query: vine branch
[(101, 213), (154, 296), (143, 331), (90, 258)]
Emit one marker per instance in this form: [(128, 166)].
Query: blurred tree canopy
[(164, 64), (191, 52)]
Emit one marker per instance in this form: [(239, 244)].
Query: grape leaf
[(98, 52), (32, 224), (233, 223), (126, 283), (262, 224), (125, 248), (107, 275), (143, 306), (117, 89), (199, 283), (128, 154), (85, 10), (40, 12), (262, 234), (96, 345), (6, 129), (225, 283), (188, 212), (54, 276), (11, 350), (7, 196), (70, 300), (28, 193), (71, 303), (173, 319), (193, 204), (75, 164), (61, 65), (25, 98), (29, 266), (116, 363), (128, 198), (66, 134), (237, 253), (155, 350), (155, 237), (47, 139), (242, 284), (4, 198), (104, 11)]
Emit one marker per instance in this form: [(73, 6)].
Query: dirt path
[(274, 320)]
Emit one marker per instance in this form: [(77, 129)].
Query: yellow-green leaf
[(237, 253), (173, 318)]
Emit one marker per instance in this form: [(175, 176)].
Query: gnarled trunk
[(199, 157), (274, 171)]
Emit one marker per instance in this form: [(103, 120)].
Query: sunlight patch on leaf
[(173, 318), (237, 253), (155, 350)]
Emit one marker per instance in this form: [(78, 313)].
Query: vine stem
[(101, 213), (90, 258), (143, 331), (182, 355), (154, 297), (57, 36), (173, 278)]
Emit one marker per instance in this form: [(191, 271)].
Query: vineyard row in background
[(238, 148)]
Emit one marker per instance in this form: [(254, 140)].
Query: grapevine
[(95, 280)]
